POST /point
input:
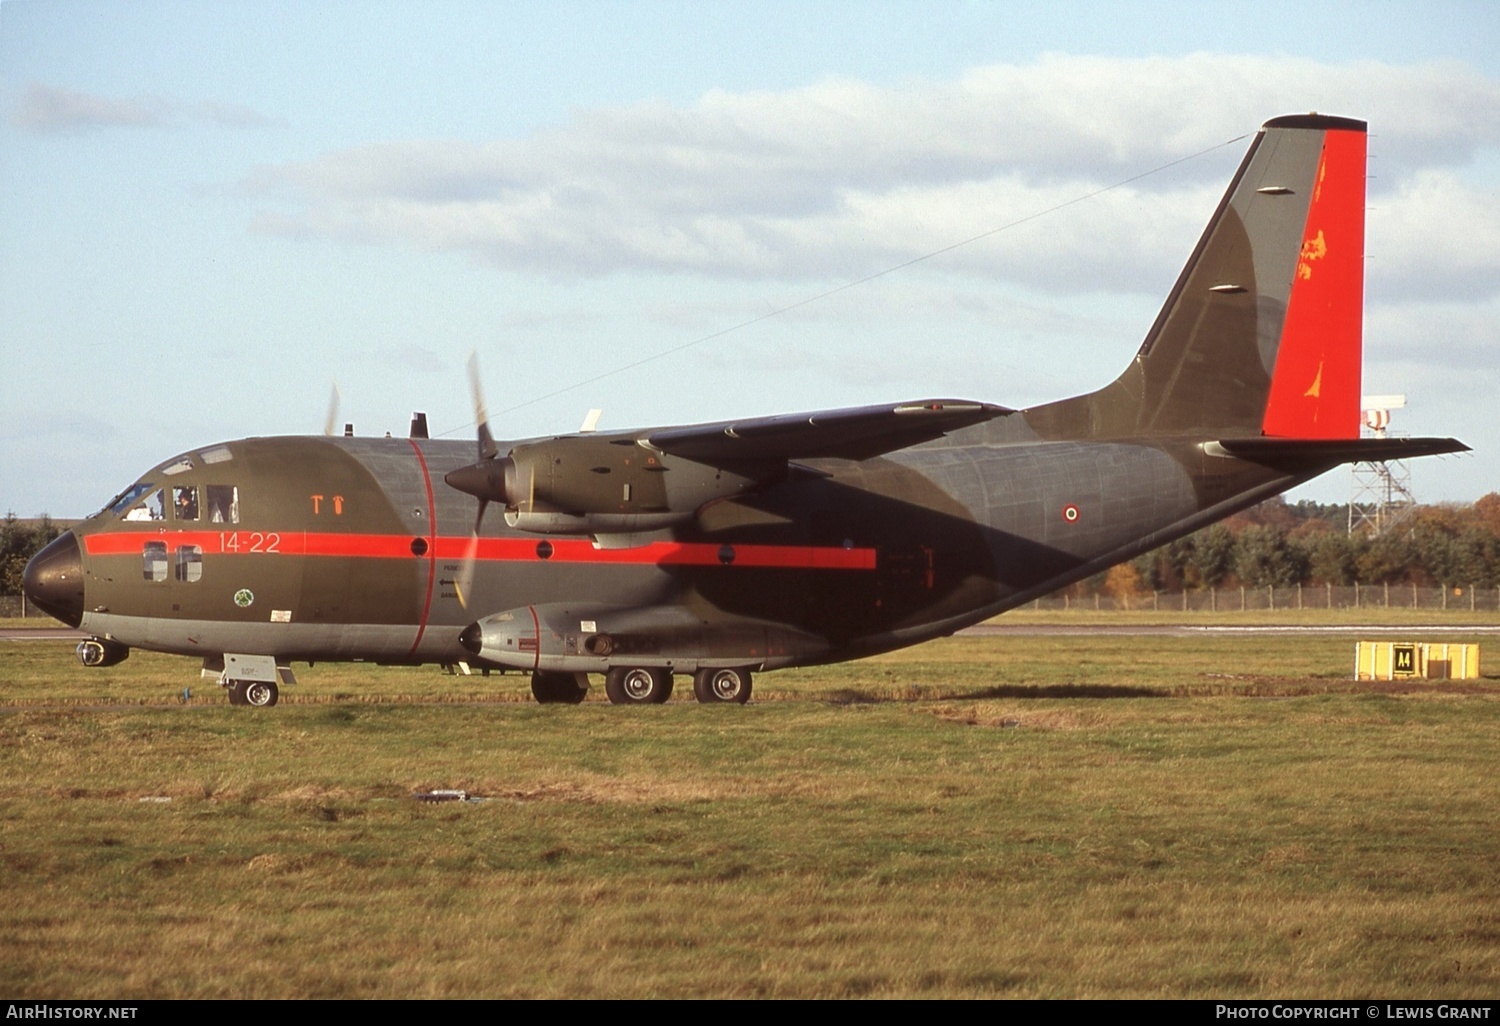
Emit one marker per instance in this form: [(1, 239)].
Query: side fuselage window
[(223, 504), (154, 561), (185, 502), (190, 563)]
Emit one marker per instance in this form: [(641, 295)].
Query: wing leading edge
[(858, 433)]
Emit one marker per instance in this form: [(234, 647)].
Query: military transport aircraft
[(720, 550)]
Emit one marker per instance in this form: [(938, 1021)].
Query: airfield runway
[(42, 634), (1211, 630)]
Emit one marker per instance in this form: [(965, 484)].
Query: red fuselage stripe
[(499, 550)]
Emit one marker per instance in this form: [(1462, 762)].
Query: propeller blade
[(487, 449), (331, 421), (484, 480), (463, 587)]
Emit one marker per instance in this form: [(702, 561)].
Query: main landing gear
[(559, 688), (652, 685), (726, 684), (638, 685)]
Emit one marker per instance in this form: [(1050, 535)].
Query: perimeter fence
[(1464, 598), (1197, 600)]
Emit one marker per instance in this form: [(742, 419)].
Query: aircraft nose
[(54, 579)]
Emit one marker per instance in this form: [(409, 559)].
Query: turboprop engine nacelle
[(589, 485), (592, 638), (594, 523)]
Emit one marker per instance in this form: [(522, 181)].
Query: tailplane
[(1262, 333)]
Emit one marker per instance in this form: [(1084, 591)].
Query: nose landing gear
[(249, 679), (257, 693)]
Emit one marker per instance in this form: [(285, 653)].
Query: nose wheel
[(257, 693)]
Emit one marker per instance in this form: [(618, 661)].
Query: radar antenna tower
[(1380, 494)]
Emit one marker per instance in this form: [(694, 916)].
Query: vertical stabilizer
[(1316, 386), (1261, 334)]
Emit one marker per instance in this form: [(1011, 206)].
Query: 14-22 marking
[(249, 541)]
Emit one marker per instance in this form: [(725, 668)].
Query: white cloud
[(49, 109), (1445, 336), (52, 110), (843, 178), (1435, 235)]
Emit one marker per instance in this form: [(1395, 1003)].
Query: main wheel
[(236, 691), (550, 688), (638, 685), (725, 684), (260, 693)]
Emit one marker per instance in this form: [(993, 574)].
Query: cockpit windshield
[(120, 503), (149, 508), (145, 501)]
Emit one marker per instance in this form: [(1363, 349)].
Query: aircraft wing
[(858, 433)]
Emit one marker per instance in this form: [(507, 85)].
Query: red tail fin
[(1315, 387), (1261, 335)]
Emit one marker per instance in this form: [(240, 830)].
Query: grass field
[(981, 816)]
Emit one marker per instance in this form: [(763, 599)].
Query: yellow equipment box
[(1415, 660)]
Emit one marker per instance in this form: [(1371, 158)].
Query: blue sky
[(211, 211)]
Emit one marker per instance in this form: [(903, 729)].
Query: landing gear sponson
[(560, 644)]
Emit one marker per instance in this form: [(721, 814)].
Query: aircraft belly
[(352, 641)]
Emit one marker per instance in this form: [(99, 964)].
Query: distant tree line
[(1277, 544), (19, 541)]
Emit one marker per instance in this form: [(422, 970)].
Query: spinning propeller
[(491, 479), (332, 419)]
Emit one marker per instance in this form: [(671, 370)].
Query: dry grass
[(1008, 817)]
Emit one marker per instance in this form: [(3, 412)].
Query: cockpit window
[(185, 502), (223, 504), (120, 503), (149, 509)]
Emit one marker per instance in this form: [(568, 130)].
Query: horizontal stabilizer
[(859, 433), (1298, 454)]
